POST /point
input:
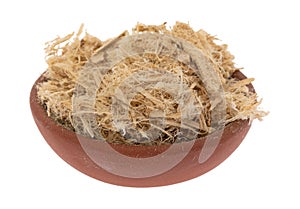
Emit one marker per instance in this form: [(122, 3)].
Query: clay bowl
[(137, 165)]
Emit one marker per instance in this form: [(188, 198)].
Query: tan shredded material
[(66, 57)]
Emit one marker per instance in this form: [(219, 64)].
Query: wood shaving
[(66, 57)]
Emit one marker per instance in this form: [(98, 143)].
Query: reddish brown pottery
[(66, 144)]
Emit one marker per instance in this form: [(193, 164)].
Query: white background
[(262, 173)]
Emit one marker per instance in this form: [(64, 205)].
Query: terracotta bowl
[(137, 165)]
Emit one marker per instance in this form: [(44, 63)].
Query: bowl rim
[(35, 103)]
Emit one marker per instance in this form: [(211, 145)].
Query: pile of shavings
[(66, 57)]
